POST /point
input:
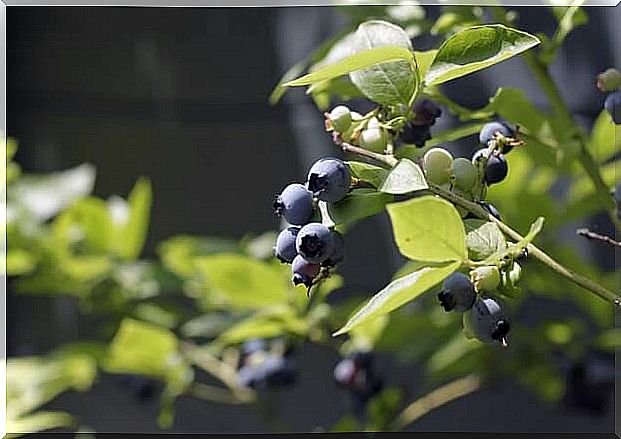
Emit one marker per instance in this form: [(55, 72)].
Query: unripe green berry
[(485, 278), (438, 164), (340, 117), (465, 174), (373, 139), (609, 80)]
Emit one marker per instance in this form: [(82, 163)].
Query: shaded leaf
[(405, 177)]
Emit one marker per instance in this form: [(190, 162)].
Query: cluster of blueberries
[(307, 244), (356, 374), (261, 368), (371, 134), (610, 81), (485, 318)]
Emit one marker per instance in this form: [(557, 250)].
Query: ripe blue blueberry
[(295, 204), (497, 167), (613, 106), (284, 249), (314, 243), (457, 293), (488, 320), (303, 272), (272, 371), (489, 131), (415, 134), (329, 179), (425, 112), (338, 251), (345, 372)]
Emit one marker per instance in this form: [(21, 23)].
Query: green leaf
[(362, 59), (398, 293), (144, 348), (484, 239), (428, 229), (605, 140), (404, 178), (180, 252), (424, 61), (389, 83), (358, 204), (43, 196), (37, 422), (231, 280), (135, 234), (368, 173), (476, 48), (20, 262)]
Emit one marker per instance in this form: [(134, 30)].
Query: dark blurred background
[(180, 95)]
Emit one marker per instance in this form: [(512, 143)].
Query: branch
[(533, 250), (437, 398), (597, 237), (346, 147)]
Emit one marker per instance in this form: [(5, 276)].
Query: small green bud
[(340, 117), (609, 80), (438, 164), (485, 278)]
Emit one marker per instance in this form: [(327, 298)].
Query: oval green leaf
[(484, 239), (388, 83), (476, 48), (368, 173), (397, 293), (363, 59), (357, 205), (428, 229), (404, 178)]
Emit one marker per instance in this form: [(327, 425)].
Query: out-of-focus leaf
[(605, 140), (236, 281), (43, 196), (180, 252), (135, 231)]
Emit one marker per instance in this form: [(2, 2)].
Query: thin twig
[(346, 147), (597, 237), (437, 398)]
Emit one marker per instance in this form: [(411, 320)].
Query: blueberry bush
[(480, 235)]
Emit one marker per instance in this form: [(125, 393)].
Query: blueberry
[(303, 272), (438, 165), (465, 174), (254, 345), (488, 320), (489, 130), (425, 112), (497, 167), (613, 106), (340, 117), (345, 372), (373, 139), (295, 204), (314, 243), (329, 179), (278, 371), (491, 209), (285, 245), (338, 251), (457, 293), (415, 134), (363, 360)]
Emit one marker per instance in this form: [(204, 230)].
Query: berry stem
[(382, 158), (437, 398), (533, 250)]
